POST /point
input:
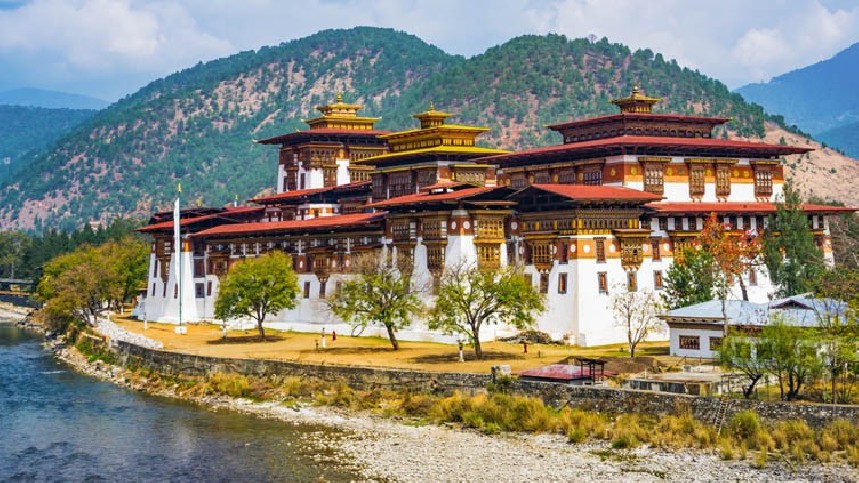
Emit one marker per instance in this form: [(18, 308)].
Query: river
[(56, 424)]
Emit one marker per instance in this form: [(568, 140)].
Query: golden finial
[(432, 106), (179, 188), (339, 97)]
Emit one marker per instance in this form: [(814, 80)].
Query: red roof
[(584, 192), (288, 195), (627, 141), (311, 133), (735, 207), (432, 197), (336, 221), (631, 116), (562, 372), (229, 210)]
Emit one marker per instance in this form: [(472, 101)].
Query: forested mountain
[(845, 138), (28, 130), (32, 97), (816, 98), (197, 126)]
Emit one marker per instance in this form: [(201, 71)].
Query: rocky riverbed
[(390, 450)]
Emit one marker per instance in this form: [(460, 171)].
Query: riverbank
[(381, 448)]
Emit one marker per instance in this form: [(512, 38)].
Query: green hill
[(845, 138), (28, 130), (197, 126)]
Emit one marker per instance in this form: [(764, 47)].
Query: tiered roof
[(325, 223)]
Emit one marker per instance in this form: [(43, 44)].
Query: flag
[(176, 217)]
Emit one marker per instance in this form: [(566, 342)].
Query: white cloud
[(737, 41)]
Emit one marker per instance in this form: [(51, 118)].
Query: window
[(321, 289), (763, 183), (199, 290), (753, 276), (678, 223), (199, 268), (760, 222), (600, 242), (153, 289), (544, 283), (602, 280), (593, 177), (723, 180), (528, 279), (489, 256), (175, 290), (657, 253), (663, 224), (563, 252), (164, 292), (307, 290), (562, 283), (690, 342), (715, 343), (632, 281), (338, 288), (657, 279), (209, 288), (692, 223), (653, 178), (696, 181)]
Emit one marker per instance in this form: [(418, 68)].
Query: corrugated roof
[(650, 141), (292, 194), (633, 115), (336, 221), (230, 210), (742, 312), (432, 197), (584, 192), (738, 207)]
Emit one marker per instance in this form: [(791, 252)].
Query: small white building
[(697, 330)]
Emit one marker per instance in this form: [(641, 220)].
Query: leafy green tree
[(127, 261), (790, 254), (791, 354), (13, 245), (690, 280), (739, 352), (80, 285), (839, 324), (380, 294), (256, 288), (470, 297), (637, 313)]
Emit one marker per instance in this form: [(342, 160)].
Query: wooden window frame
[(602, 282), (562, 283), (689, 342)]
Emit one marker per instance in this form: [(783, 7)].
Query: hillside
[(28, 130), (823, 173), (197, 126), (815, 98), (845, 138), (32, 97)]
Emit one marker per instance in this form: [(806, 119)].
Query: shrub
[(232, 385), (744, 425)]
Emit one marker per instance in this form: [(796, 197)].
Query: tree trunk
[(478, 351), (743, 289), (834, 385), (747, 392), (261, 330), (393, 337)]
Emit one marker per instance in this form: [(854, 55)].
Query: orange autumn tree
[(734, 254)]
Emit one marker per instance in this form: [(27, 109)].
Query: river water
[(56, 424)]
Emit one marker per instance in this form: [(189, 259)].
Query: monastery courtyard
[(206, 340)]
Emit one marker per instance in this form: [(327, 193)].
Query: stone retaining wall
[(557, 395)]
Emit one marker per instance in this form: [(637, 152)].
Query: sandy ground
[(207, 340)]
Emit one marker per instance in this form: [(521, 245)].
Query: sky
[(110, 48)]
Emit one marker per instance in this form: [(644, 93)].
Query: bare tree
[(637, 313)]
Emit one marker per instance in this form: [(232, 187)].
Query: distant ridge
[(32, 97), (816, 98)]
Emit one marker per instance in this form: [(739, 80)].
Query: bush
[(232, 385)]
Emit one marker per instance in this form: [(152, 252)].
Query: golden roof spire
[(431, 118), (339, 98), (637, 102), (432, 106)]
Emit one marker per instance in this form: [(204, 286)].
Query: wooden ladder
[(721, 412)]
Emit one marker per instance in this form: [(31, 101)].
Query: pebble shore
[(384, 449)]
